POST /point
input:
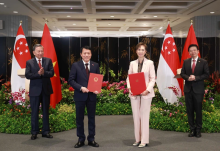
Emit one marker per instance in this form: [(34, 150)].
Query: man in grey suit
[(194, 71), (39, 70)]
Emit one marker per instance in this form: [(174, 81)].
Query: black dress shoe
[(192, 133), (93, 144), (198, 134), (47, 136), (33, 137), (79, 144)]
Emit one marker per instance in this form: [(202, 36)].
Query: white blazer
[(149, 73)]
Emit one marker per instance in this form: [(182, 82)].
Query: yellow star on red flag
[(54, 63)]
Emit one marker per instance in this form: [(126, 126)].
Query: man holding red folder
[(78, 79)]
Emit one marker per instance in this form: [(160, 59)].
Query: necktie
[(87, 69), (193, 66), (39, 63)]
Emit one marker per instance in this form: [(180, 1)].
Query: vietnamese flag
[(191, 39), (49, 52)]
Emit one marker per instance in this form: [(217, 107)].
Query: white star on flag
[(169, 53), (174, 50), (174, 43), (166, 48), (21, 53), (26, 44), (168, 42), (26, 51), (21, 43), (17, 48)]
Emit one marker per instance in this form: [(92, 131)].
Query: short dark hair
[(86, 47), (37, 45), (141, 44), (193, 45)]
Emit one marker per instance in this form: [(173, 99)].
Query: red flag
[(49, 52), (21, 54), (191, 39), (167, 68)]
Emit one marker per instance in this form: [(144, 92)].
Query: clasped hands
[(41, 71), (192, 78), (85, 90), (146, 92)]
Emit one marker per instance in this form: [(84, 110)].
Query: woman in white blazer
[(141, 104)]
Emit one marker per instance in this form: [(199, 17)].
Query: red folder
[(95, 82), (137, 83)]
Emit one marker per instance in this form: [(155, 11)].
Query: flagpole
[(168, 21), (191, 22), (20, 22)]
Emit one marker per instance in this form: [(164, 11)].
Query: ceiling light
[(155, 16), (212, 12), (68, 16), (161, 27), (2, 3), (15, 12), (109, 24), (71, 8), (112, 16), (74, 24)]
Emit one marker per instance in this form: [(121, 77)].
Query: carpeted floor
[(113, 133)]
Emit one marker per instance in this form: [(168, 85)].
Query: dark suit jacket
[(78, 79), (37, 82), (201, 73)]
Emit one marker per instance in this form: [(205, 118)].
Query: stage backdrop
[(114, 54)]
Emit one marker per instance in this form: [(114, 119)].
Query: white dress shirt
[(85, 65), (195, 61), (38, 61)]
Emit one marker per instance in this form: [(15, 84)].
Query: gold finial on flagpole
[(21, 22), (46, 20), (191, 22), (168, 21)]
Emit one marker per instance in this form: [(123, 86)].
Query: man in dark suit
[(78, 79), (194, 71), (39, 70)]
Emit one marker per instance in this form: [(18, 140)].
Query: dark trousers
[(194, 103), (35, 102), (80, 109)]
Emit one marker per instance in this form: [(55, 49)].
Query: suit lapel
[(189, 66), (197, 65), (91, 67), (82, 67), (136, 66), (36, 64), (144, 65), (43, 62)]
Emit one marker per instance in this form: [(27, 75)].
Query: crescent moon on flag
[(166, 36), (17, 38)]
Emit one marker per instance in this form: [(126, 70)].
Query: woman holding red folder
[(141, 104)]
